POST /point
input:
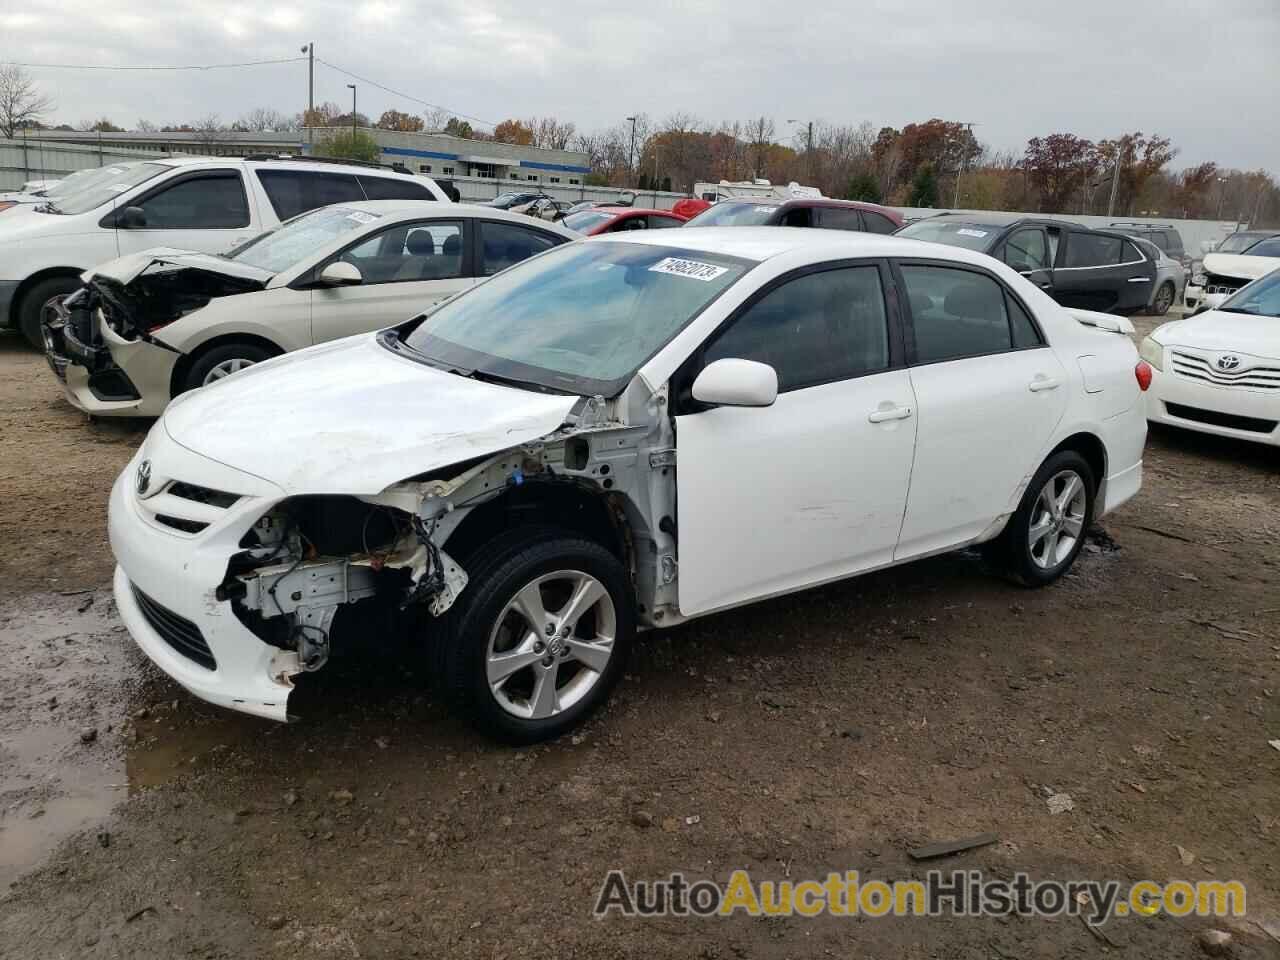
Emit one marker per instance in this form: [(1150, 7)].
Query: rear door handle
[(1139, 279), (889, 413), (1043, 383)]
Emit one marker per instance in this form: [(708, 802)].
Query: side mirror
[(737, 383), (340, 274), (131, 218)]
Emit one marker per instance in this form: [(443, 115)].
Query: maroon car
[(615, 219), (800, 212)]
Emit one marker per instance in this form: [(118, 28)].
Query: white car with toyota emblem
[(618, 434), (1219, 371)]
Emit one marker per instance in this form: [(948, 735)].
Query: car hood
[(1220, 330), (124, 270), (353, 417), (1239, 265)]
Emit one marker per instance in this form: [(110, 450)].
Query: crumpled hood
[(1224, 332), (352, 417), (124, 270), (1239, 265)]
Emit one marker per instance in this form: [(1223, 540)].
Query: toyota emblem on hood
[(143, 479), (1228, 361)]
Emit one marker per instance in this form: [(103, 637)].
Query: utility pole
[(352, 87), (310, 51), (657, 152), (631, 154), (964, 151), (808, 151), (1115, 179)]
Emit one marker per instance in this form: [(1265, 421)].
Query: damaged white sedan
[(616, 435)]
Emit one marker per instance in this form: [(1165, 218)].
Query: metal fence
[(22, 160)]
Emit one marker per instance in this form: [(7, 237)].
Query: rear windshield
[(973, 236), (106, 188), (730, 213), (585, 220), (280, 249)]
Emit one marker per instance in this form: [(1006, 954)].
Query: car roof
[(1001, 219), (318, 166), (620, 210), (1255, 233), (411, 209), (762, 243)]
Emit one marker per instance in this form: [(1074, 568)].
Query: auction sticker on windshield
[(693, 269), (359, 216), (967, 232)]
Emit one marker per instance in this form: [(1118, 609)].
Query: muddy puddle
[(84, 722)]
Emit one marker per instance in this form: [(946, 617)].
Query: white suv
[(206, 204)]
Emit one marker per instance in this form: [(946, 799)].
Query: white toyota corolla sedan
[(149, 326), (1219, 371), (619, 434)]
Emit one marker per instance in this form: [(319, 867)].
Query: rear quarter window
[(390, 188), (292, 192)]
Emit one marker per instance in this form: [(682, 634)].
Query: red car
[(800, 212), (616, 219)]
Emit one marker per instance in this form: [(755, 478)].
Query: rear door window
[(959, 313), (504, 244), (410, 251), (292, 192), (1092, 250), (877, 222), (390, 188), (838, 218), (207, 201)]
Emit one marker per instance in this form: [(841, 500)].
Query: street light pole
[(310, 51), (631, 154), (1222, 194), (352, 87)]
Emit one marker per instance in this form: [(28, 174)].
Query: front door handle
[(1042, 382), (882, 414)]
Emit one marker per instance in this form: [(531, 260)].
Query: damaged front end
[(315, 567), (100, 341)]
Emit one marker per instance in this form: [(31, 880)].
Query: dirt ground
[(828, 731)]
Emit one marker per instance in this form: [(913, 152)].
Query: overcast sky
[(1204, 72)]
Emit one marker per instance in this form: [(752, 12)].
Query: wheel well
[(561, 503), (20, 294), (1094, 453), (180, 369)]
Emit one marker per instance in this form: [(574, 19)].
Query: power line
[(406, 96), (93, 66)]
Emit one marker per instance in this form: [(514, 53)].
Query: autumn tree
[(1059, 166), (513, 131), (402, 122), (1135, 158), (21, 102), (322, 115)]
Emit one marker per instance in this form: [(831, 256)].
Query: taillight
[(1143, 372)]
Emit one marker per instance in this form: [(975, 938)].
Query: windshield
[(581, 318), (1262, 297), (280, 249), (1237, 243), (585, 220), (728, 213), (84, 195), (972, 236)]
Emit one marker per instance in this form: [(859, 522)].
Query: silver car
[(1171, 278)]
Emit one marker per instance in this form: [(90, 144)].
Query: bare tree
[(263, 119), (21, 102), (435, 119), (760, 133), (209, 131), (145, 126), (550, 133)]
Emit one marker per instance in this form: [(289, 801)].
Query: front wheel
[(1047, 531), (539, 636), (38, 305), (223, 361)]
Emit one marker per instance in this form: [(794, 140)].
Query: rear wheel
[(223, 361), (1164, 299), (539, 636), (38, 303), (1045, 534)]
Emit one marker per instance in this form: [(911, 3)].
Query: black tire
[(31, 309), (1031, 564), (204, 363), (498, 571), (1164, 299)]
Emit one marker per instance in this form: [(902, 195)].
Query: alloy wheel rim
[(49, 309), (225, 369), (1164, 299), (1057, 519), (551, 644)]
